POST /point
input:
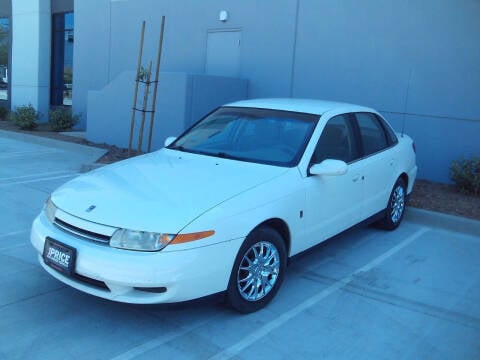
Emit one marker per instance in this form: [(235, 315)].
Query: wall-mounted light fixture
[(223, 16)]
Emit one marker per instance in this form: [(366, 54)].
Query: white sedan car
[(222, 207)]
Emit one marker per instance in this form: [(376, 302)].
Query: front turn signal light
[(183, 238)]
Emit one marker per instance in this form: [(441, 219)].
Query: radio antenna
[(406, 101)]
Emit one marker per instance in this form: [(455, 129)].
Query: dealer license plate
[(59, 256)]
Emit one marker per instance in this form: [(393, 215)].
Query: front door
[(334, 203)]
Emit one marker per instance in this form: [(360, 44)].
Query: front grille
[(89, 235)]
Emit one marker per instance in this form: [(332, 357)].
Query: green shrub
[(3, 113), (25, 117), (466, 175), (61, 118)]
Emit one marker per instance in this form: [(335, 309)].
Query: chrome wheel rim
[(258, 271), (398, 204)]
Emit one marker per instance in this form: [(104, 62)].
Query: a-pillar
[(31, 42)]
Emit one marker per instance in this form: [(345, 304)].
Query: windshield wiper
[(220, 154), (225, 155), (176, 147)]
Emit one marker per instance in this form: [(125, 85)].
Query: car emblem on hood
[(90, 208)]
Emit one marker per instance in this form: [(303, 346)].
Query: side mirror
[(169, 140), (329, 167)]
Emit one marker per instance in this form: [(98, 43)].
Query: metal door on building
[(223, 53)]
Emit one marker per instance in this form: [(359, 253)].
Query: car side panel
[(380, 174), (382, 171), (334, 203), (282, 198), (406, 160)]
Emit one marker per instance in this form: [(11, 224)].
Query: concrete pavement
[(366, 294)]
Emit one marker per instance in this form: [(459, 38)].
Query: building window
[(4, 50), (62, 59)]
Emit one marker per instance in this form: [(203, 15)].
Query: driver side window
[(337, 141)]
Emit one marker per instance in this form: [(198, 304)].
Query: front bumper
[(186, 274)]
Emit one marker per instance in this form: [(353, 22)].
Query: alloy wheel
[(398, 204), (258, 271)]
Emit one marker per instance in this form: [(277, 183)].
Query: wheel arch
[(282, 228), (408, 183), (404, 177)]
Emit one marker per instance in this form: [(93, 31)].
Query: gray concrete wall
[(61, 6), (91, 56), (181, 100), (5, 8), (31, 29), (418, 63)]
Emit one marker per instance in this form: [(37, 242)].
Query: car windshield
[(248, 134)]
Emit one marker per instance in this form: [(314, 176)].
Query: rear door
[(378, 161)]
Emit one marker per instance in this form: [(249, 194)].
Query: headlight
[(50, 210), (139, 240), (148, 241)]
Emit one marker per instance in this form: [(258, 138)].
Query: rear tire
[(395, 207), (258, 270)]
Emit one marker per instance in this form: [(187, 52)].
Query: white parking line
[(9, 246), (13, 233), (253, 337), (25, 153), (35, 175), (14, 246), (39, 179)]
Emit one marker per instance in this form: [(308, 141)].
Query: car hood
[(162, 191)]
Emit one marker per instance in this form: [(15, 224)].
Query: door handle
[(356, 178)]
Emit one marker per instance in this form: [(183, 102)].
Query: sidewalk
[(19, 149)]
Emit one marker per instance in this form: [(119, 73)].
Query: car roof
[(310, 106)]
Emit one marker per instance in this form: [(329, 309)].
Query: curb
[(444, 221)]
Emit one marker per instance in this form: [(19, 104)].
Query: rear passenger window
[(391, 137), (372, 133)]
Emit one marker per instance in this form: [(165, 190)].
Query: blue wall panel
[(181, 99), (210, 92), (439, 141), (445, 41), (91, 55), (346, 53), (414, 60)]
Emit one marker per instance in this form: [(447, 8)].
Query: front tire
[(396, 206), (258, 270)]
